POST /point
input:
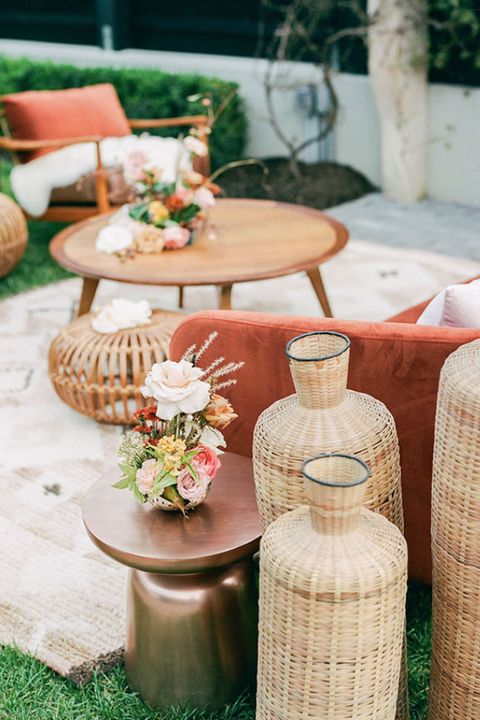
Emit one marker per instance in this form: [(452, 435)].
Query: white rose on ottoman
[(120, 314)]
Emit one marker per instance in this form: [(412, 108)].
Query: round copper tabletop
[(223, 530), (244, 240)]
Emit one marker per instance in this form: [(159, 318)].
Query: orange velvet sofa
[(396, 361)]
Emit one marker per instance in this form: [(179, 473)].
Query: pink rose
[(146, 476), (176, 237), (192, 489), (204, 198), (206, 461), (184, 193), (133, 166)]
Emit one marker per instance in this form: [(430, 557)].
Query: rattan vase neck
[(319, 367), (335, 488)]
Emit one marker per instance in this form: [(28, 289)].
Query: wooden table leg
[(180, 296), (89, 289), (317, 284), (225, 297)]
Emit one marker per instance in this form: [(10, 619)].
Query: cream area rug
[(60, 598)]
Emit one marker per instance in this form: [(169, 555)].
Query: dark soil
[(320, 185)]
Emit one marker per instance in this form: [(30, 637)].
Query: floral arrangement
[(173, 211), (166, 204), (172, 454)]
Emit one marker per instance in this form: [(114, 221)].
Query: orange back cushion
[(58, 114)]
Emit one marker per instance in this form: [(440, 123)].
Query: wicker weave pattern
[(325, 417), (13, 234), (332, 595), (455, 677), (100, 375)]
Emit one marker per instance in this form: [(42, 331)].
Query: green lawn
[(30, 690)]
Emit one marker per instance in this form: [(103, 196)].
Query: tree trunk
[(397, 67)]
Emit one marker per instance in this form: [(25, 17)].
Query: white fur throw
[(33, 182)]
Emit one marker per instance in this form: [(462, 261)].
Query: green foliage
[(455, 40), (144, 93)]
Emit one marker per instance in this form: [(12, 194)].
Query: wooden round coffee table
[(192, 596), (245, 240)]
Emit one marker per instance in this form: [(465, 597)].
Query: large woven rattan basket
[(455, 675), (100, 375), (332, 603), (13, 234), (323, 416)]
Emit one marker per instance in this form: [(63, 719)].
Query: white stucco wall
[(454, 112)]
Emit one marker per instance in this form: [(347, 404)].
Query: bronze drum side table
[(192, 596)]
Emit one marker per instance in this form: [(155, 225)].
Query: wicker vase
[(333, 580), (455, 675), (13, 234), (323, 416)]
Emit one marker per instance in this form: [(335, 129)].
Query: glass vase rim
[(352, 483), (329, 356)]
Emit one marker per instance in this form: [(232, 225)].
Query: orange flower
[(174, 203), (219, 413)]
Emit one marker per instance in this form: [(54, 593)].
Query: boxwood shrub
[(144, 93)]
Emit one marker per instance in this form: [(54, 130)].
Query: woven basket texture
[(13, 234), (323, 416), (332, 608), (100, 375), (455, 674)]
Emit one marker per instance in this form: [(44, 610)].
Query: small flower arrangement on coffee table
[(172, 455)]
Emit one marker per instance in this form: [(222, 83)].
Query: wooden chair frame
[(75, 213)]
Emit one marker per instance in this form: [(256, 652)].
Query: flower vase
[(324, 417), (333, 580)]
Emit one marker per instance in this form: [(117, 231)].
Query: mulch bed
[(320, 185)]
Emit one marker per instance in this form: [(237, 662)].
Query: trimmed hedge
[(144, 93)]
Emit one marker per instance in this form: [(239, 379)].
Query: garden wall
[(453, 148)]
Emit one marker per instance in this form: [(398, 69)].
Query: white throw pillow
[(456, 306)]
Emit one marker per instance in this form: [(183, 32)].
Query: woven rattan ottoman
[(13, 234), (100, 375)]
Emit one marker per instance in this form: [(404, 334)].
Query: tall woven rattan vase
[(455, 673), (323, 416), (333, 580)]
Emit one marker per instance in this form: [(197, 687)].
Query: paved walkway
[(447, 228)]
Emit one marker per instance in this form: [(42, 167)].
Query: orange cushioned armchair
[(37, 122), (396, 361)]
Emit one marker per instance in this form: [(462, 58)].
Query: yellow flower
[(171, 451), (149, 239), (157, 212), (219, 413)]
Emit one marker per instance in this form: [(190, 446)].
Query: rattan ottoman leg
[(192, 638)]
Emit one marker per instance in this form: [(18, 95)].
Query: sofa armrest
[(397, 363)]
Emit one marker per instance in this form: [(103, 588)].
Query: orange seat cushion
[(58, 114)]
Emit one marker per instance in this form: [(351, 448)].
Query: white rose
[(120, 314), (204, 198), (176, 387), (113, 238), (195, 146), (213, 438)]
